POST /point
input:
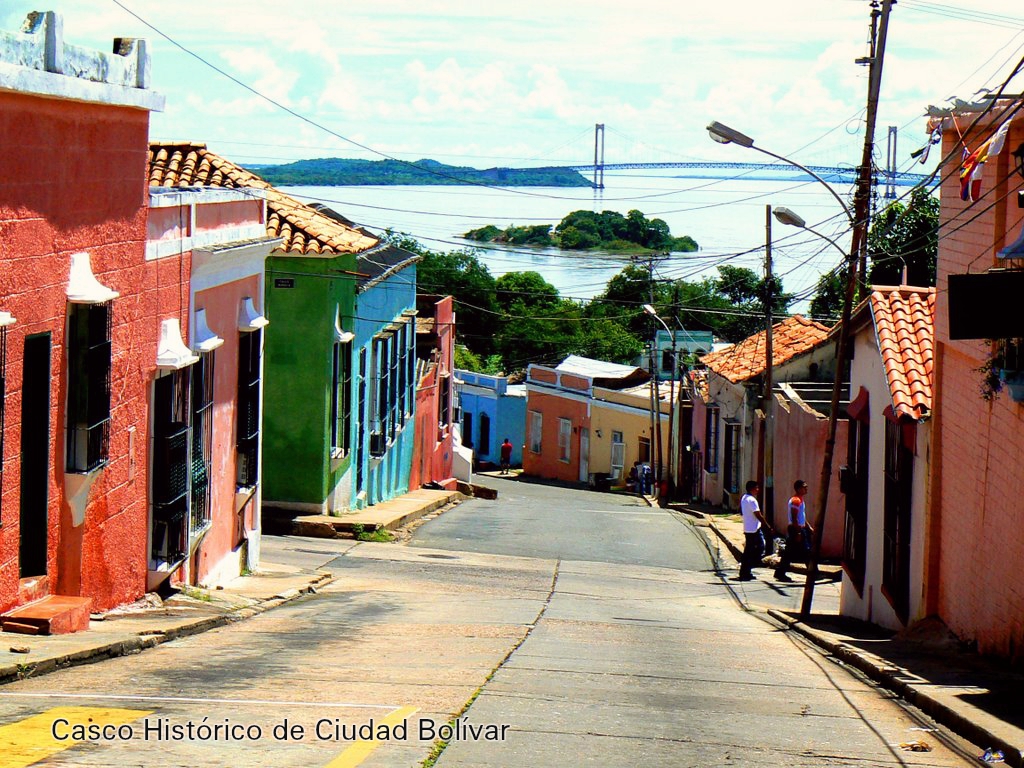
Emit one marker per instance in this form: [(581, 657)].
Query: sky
[(523, 83)]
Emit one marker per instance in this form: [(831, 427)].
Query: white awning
[(248, 318), (171, 352), (83, 287), (204, 339), (6, 319)]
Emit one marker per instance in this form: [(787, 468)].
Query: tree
[(827, 303), (749, 294), (460, 274), (905, 235), (528, 289)]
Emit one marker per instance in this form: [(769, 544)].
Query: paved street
[(578, 628)]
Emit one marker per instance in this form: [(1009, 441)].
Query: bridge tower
[(599, 155), (890, 165)]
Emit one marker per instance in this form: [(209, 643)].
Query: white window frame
[(618, 455), (565, 440), (536, 425)]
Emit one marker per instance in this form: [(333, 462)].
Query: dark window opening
[(361, 411), (644, 450), (484, 442), (89, 365), (341, 399), (731, 480), (854, 479), (248, 437), (467, 429), (899, 479), (711, 439), (171, 467), (202, 440), (35, 456), (444, 403)]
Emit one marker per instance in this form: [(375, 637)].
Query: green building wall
[(304, 296)]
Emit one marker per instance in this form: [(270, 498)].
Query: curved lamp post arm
[(723, 134), (793, 219)]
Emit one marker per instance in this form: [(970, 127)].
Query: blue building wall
[(377, 308), (481, 395)]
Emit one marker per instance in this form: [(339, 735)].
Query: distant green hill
[(336, 172)]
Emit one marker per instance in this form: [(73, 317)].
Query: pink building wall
[(432, 450), (799, 442), (73, 177), (229, 524), (975, 540)]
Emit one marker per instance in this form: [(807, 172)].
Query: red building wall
[(975, 540), (73, 178)]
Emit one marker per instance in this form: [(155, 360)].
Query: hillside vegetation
[(337, 172)]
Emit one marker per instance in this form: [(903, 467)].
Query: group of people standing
[(755, 526)]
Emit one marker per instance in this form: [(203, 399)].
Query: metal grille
[(171, 467), (250, 344), (202, 440), (89, 365)]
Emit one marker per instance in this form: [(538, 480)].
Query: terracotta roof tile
[(905, 329), (303, 229), (744, 360)]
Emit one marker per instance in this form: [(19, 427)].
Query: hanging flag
[(974, 163), (935, 137)]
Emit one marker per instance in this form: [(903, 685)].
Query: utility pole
[(769, 397), (858, 246)]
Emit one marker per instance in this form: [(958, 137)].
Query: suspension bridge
[(890, 176)]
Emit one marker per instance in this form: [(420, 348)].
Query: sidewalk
[(285, 573), (977, 698)]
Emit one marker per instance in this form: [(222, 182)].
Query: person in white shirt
[(754, 526)]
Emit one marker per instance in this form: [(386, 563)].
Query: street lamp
[(671, 393), (723, 134), (794, 219)]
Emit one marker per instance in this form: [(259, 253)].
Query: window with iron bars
[(171, 467), (711, 439), (248, 437), (88, 403), (202, 441), (341, 399)]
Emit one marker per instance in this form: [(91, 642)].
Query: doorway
[(35, 455)]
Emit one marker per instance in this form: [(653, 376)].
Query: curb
[(902, 683), (144, 638)]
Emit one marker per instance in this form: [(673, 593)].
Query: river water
[(725, 216)]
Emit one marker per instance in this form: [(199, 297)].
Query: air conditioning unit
[(377, 444)]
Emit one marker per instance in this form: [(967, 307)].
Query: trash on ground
[(993, 756), (916, 746)]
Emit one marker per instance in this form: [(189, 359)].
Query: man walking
[(754, 526), (798, 532), (506, 456)]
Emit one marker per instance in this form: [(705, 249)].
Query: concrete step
[(52, 615), (386, 515)]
